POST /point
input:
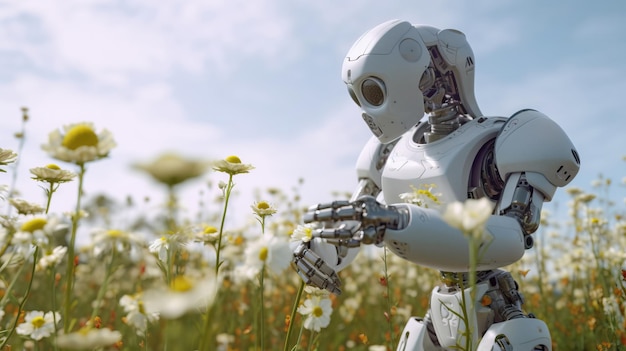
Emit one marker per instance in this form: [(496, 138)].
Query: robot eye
[(373, 90), (353, 96)]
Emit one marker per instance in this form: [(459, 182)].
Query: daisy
[(51, 258), (52, 174), (185, 294), (303, 233), (89, 338), (6, 156), (172, 169), (232, 165), (36, 230), (263, 209), (104, 241), (26, 208), (38, 325), (136, 314), (316, 311), (79, 143), (470, 217), (270, 251)]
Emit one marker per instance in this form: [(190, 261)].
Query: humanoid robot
[(397, 73)]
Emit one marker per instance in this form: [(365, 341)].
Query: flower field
[(189, 283)]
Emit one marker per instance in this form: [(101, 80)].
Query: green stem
[(103, 287), (69, 274), (262, 307), (293, 315), (204, 340), (389, 304), (227, 192), (20, 308)]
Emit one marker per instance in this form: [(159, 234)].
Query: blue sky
[(261, 79)]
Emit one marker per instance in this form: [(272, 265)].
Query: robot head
[(396, 72)]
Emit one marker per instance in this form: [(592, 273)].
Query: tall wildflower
[(79, 144), (232, 166), (171, 170), (470, 218)]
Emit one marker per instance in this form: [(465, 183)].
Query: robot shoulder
[(372, 159), (531, 142)]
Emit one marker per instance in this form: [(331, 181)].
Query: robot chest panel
[(443, 167)]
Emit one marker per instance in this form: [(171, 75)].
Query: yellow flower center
[(263, 253), (114, 233), (53, 166), (308, 233), (317, 311), (262, 205), (181, 284), (233, 159), (209, 229), (80, 135), (38, 322), (34, 224)]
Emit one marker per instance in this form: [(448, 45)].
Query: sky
[(262, 80)]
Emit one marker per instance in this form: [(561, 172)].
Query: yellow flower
[(171, 169), (232, 165), (79, 143), (52, 174)]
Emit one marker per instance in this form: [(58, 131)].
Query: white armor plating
[(396, 73)]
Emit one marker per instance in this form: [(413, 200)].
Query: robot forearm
[(429, 241)]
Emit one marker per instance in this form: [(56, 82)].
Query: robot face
[(382, 71)]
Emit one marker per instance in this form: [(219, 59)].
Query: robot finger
[(317, 273), (348, 212), (334, 233)]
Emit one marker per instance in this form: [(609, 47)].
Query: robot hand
[(364, 221)]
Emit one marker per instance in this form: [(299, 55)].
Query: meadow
[(172, 280)]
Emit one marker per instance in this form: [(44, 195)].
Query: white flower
[(263, 209), (79, 143), (303, 233), (232, 165), (52, 258), (38, 325), (316, 310), (270, 251), (423, 197), (168, 243), (470, 217), (136, 314), (104, 241), (26, 208), (172, 169), (52, 174), (184, 294), (160, 247), (35, 230), (89, 338), (6, 156)]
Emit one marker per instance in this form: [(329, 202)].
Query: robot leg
[(517, 334), (417, 337)]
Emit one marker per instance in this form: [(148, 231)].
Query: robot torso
[(450, 166)]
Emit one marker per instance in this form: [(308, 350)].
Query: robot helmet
[(394, 67)]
